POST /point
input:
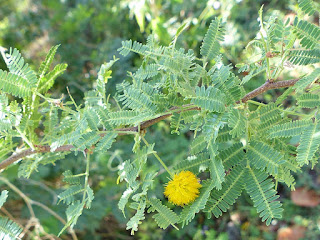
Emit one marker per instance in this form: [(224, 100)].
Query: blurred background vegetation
[(90, 32)]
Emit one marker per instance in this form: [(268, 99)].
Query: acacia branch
[(66, 148), (267, 86), (144, 125), (39, 149)]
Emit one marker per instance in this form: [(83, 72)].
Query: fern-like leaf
[(198, 144), (264, 127), (178, 62), (264, 156), (125, 197), (148, 71), (45, 65), (103, 76), (89, 197), (104, 117), (210, 47), (232, 156), (69, 138), (269, 112), (224, 135), (290, 129), (3, 197), (307, 32), (67, 196), (194, 163), (217, 173), (307, 6), (209, 99), (212, 126), (237, 122), (128, 46), (309, 143), (165, 215), (304, 57), (261, 191), (106, 142), (14, 84), (221, 200), (309, 100), (92, 118), (73, 212), (51, 121), (86, 141), (189, 212), (147, 183), (129, 173), (68, 177), (9, 229), (284, 175), (224, 80), (137, 218), (47, 81), (17, 66), (128, 117), (137, 100), (305, 81)]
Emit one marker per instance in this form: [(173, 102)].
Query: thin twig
[(124, 131), (31, 202), (267, 86), (66, 148)]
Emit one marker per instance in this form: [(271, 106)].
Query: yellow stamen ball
[(183, 188)]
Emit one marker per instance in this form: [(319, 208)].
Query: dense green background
[(90, 33)]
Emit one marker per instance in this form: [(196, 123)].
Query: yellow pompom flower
[(183, 188)]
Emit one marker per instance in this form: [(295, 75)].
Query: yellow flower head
[(183, 188)]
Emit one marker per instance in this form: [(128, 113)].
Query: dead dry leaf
[(291, 233), (305, 198)]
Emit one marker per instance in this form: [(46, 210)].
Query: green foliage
[(308, 6), (137, 218), (263, 195), (210, 99), (129, 46), (3, 197), (305, 81), (310, 141), (232, 156), (17, 66), (47, 81), (8, 228), (165, 216), (106, 142), (194, 163), (263, 156), (307, 32), (290, 129), (189, 212), (308, 100), (236, 121), (211, 47), (198, 144), (304, 57), (14, 84), (127, 117), (216, 172), (221, 200), (237, 144), (135, 99)]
